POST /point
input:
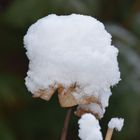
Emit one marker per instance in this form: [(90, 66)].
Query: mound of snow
[(89, 128), (116, 123)]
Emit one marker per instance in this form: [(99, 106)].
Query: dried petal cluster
[(65, 95)]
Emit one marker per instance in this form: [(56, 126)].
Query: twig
[(66, 124), (109, 134)]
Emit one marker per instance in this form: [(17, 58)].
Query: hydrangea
[(72, 54)]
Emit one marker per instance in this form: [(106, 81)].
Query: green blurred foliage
[(22, 117)]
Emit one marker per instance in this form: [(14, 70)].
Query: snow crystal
[(89, 128), (71, 49), (116, 123)]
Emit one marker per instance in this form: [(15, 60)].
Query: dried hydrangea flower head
[(72, 54)]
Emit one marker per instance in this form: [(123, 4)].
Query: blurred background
[(25, 118)]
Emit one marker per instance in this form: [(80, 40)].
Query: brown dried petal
[(80, 111), (65, 96), (88, 100), (45, 94)]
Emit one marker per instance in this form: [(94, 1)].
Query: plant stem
[(109, 134), (66, 124)]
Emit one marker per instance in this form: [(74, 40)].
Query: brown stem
[(66, 124), (109, 134)]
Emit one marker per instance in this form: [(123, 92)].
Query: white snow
[(89, 128), (116, 123), (96, 108), (71, 49)]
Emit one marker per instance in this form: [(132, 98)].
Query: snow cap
[(116, 123), (89, 128)]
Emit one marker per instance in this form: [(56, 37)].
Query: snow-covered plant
[(114, 123), (72, 55)]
